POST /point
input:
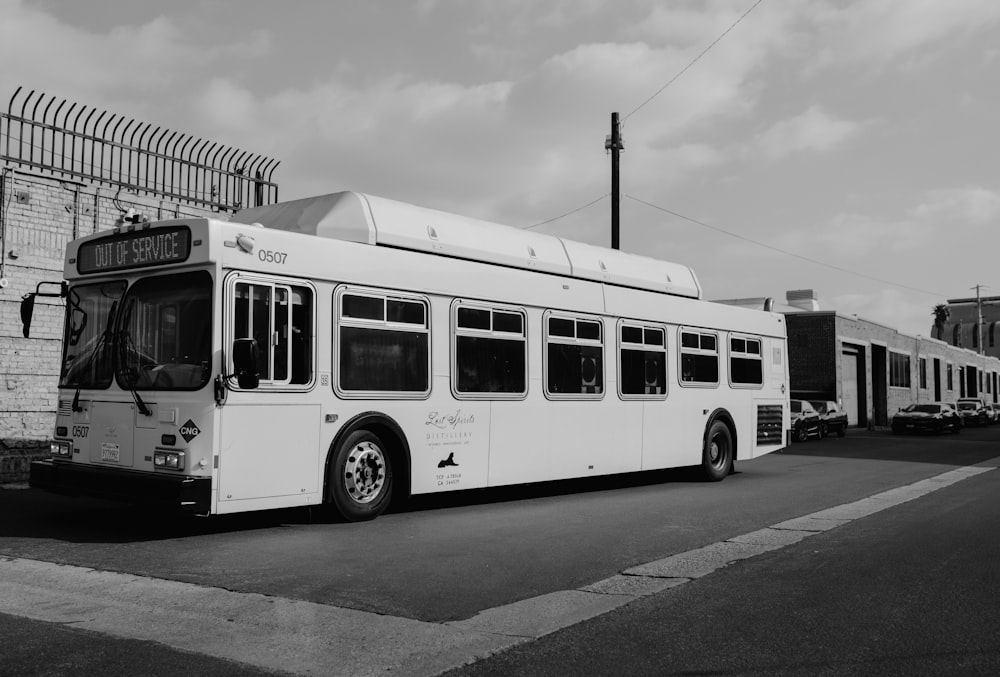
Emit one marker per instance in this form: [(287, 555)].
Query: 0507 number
[(271, 256)]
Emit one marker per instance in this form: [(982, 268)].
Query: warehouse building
[(870, 369)]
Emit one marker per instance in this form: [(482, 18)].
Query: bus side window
[(699, 352), (491, 351), (642, 362), (575, 357), (383, 344), (279, 318), (300, 343), (746, 364)]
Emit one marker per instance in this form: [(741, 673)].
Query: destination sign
[(135, 250)]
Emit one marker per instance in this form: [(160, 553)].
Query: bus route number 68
[(271, 256)]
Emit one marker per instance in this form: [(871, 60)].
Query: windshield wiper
[(143, 409), (124, 343), (122, 354)]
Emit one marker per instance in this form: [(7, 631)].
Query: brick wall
[(812, 362), (965, 315), (39, 216)]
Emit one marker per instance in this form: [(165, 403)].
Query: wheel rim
[(718, 451), (364, 472)]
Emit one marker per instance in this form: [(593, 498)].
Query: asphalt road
[(914, 590), (802, 609)]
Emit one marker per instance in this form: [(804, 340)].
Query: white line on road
[(318, 639)]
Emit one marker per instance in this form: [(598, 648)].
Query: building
[(870, 369), (59, 181), (972, 323)]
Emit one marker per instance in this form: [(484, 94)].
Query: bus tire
[(361, 477), (717, 456)]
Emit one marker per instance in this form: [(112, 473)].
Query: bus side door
[(269, 440)]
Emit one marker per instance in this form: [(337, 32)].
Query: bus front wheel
[(717, 457), (361, 477)]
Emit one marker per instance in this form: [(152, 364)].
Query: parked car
[(972, 411), (806, 421), (833, 419), (931, 417), (992, 413)]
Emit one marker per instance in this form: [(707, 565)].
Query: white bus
[(346, 349)]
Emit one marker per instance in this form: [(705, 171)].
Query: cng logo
[(189, 431)]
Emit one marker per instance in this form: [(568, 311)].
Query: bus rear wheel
[(717, 456), (361, 477)]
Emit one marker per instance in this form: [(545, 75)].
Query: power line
[(782, 251), (561, 216), (693, 61)]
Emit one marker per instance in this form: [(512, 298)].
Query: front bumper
[(919, 425), (173, 492)]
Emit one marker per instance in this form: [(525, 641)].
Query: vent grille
[(65, 408), (769, 417)]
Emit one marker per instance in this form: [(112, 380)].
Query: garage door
[(849, 391)]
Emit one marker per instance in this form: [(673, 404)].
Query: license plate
[(109, 452)]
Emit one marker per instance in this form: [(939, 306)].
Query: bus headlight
[(168, 460), (61, 448)]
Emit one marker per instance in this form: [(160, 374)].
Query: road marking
[(300, 637)]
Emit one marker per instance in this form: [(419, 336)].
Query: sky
[(851, 148)]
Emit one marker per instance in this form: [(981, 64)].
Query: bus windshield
[(89, 334), (164, 336), (156, 337)]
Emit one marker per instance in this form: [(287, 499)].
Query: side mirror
[(245, 363), (28, 302), (27, 310)]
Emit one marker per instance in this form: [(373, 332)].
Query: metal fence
[(78, 141)]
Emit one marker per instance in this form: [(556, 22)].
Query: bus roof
[(358, 217)]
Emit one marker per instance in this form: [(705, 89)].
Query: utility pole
[(614, 144), (979, 321)]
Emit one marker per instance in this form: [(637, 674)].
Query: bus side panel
[(449, 442), (663, 445), (269, 450), (542, 441)]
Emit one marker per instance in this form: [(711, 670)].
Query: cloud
[(814, 130), (124, 68), (962, 208), (853, 237), (500, 110), (225, 104), (880, 31), (426, 141), (862, 242), (696, 25), (889, 307)]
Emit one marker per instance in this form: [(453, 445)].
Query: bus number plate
[(109, 452)]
